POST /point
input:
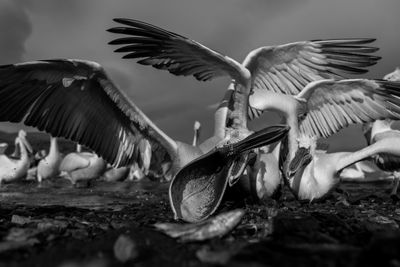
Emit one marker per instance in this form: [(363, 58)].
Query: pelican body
[(82, 165), (49, 166), (15, 169)]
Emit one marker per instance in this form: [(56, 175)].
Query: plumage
[(80, 166)]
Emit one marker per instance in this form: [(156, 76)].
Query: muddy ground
[(59, 225)]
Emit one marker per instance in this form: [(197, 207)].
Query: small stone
[(21, 220), (125, 249), (48, 224)]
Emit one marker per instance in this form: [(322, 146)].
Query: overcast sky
[(32, 29)]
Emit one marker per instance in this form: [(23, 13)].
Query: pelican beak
[(301, 159), (26, 144)]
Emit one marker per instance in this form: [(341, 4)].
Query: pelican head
[(303, 156), (393, 76), (21, 140)]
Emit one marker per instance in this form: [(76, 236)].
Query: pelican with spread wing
[(265, 80), (76, 100)]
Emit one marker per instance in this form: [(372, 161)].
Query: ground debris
[(60, 226), (216, 226), (125, 249)]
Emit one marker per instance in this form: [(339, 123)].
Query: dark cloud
[(15, 28)]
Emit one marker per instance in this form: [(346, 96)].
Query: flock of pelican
[(303, 81)]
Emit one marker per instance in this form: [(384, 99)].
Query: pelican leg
[(395, 183)]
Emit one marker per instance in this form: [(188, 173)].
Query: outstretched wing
[(290, 67), (331, 105), (179, 55), (76, 100)]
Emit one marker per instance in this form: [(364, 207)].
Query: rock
[(206, 255), (216, 226), (125, 249), (21, 220)]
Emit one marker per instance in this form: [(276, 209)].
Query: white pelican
[(49, 166), (313, 175), (15, 169), (76, 100), (82, 165), (322, 109), (196, 129), (274, 70)]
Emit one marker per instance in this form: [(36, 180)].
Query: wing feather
[(173, 52), (309, 61), (332, 105)]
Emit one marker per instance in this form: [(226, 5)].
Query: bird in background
[(49, 166), (82, 166), (12, 169)]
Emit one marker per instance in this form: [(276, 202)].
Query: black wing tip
[(346, 40), (121, 20), (115, 41), (388, 84), (348, 69)]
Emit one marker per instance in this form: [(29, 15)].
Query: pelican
[(196, 135), (76, 100), (313, 175), (82, 165), (324, 107), (49, 166), (15, 169), (273, 70)]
